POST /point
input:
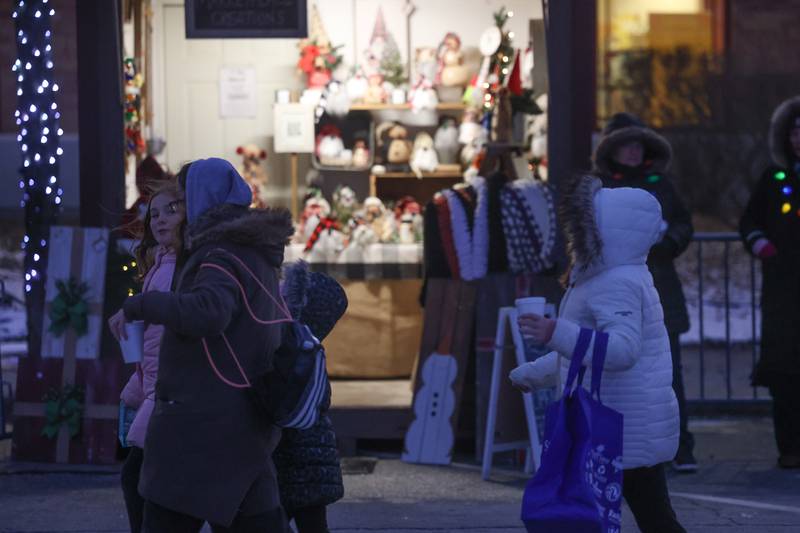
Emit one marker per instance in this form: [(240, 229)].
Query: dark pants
[(134, 503), (645, 491), (786, 415), (686, 441), (309, 519), (158, 519)]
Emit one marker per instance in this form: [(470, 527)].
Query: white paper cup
[(532, 305), (132, 349)]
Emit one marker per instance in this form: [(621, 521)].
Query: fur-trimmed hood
[(657, 149), (779, 128), (266, 230), (607, 227)]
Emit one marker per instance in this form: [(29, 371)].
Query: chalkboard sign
[(214, 19)]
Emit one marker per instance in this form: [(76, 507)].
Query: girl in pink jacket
[(156, 257)]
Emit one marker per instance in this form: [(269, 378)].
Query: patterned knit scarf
[(471, 245)]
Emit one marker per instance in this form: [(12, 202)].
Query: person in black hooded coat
[(307, 461), (632, 155), (208, 451), (770, 229)]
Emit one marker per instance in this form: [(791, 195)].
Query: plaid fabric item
[(376, 261)]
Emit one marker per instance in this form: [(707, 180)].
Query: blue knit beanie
[(211, 182)]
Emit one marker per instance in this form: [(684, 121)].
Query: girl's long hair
[(145, 252)]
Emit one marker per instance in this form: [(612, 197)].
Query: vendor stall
[(357, 126)]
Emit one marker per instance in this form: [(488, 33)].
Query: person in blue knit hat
[(307, 461), (208, 452)]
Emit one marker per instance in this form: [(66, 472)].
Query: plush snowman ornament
[(423, 155), (446, 141), (423, 96)]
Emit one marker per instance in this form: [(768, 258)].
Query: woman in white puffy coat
[(609, 233)]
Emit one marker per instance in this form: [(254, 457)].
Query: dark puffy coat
[(773, 212), (652, 178), (206, 446), (307, 461)]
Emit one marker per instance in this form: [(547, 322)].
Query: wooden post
[(138, 61), (294, 207), (572, 49), (100, 112)]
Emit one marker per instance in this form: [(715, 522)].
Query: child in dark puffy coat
[(307, 461)]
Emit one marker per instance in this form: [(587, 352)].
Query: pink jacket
[(141, 388)]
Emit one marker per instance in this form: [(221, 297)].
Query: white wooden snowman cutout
[(429, 439)]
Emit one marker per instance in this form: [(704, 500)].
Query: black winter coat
[(208, 452), (773, 212), (652, 178), (307, 461)]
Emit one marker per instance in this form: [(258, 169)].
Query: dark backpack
[(291, 394)]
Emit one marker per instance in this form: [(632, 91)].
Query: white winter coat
[(616, 295)]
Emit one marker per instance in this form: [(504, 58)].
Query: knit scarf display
[(471, 243), (529, 251), (446, 233)]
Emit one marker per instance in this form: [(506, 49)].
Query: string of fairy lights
[(39, 134)]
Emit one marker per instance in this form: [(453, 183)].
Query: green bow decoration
[(69, 308), (63, 406)]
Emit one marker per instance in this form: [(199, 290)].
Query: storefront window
[(655, 58)]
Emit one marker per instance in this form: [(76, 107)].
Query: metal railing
[(703, 242)]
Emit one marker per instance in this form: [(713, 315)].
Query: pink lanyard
[(281, 305)]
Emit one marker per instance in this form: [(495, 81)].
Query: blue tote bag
[(578, 487)]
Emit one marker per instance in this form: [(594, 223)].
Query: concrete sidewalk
[(738, 489)]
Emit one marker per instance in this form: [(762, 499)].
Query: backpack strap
[(281, 304)]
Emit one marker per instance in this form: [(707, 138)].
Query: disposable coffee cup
[(133, 347), (531, 305)]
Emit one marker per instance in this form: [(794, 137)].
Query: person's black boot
[(684, 462)]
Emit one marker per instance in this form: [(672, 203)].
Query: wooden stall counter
[(378, 337)]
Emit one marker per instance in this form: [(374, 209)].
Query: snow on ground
[(741, 297)]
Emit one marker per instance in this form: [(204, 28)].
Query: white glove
[(539, 374)]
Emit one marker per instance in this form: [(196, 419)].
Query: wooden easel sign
[(509, 353)]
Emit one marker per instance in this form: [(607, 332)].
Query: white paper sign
[(294, 128), (237, 92)]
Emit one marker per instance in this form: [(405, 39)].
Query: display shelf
[(444, 106), (373, 178)]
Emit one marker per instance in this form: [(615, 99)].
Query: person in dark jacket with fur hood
[(208, 452), (632, 155), (307, 461), (770, 229)]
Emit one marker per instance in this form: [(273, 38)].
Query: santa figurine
[(252, 171)]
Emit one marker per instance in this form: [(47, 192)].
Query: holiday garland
[(39, 137)]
